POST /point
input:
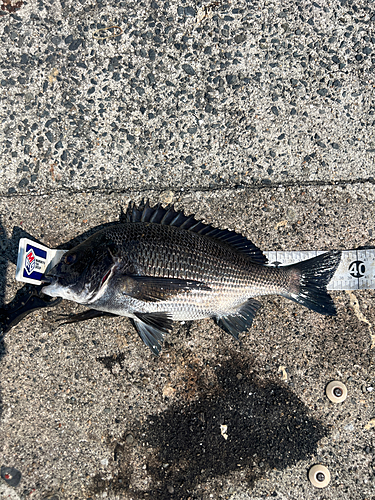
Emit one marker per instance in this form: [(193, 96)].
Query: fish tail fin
[(309, 279)]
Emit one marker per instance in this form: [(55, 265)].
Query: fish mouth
[(56, 286), (81, 290), (47, 279), (50, 281), (51, 275), (54, 276), (52, 288)]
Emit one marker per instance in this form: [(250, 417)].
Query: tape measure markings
[(356, 270)]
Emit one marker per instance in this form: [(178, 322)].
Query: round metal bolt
[(319, 476), (336, 391)]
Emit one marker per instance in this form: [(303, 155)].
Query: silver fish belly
[(161, 266)]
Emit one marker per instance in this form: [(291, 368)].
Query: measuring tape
[(356, 270)]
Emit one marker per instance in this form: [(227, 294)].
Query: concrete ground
[(254, 116)]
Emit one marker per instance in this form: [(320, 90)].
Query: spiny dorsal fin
[(168, 216)]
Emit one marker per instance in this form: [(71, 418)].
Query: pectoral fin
[(152, 328), (240, 320), (152, 289)]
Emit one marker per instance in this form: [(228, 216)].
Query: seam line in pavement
[(254, 187)]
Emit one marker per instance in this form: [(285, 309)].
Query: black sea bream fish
[(161, 266)]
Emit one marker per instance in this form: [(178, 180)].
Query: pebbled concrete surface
[(256, 116), (207, 94)]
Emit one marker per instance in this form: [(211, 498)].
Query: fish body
[(161, 266)]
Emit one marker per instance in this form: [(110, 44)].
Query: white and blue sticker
[(34, 260), (34, 265)]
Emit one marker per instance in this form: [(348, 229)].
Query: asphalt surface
[(254, 116)]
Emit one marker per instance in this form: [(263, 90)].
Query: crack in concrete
[(357, 311)]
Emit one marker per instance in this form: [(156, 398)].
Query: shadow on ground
[(268, 427)]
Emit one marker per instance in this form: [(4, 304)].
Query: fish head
[(83, 272)]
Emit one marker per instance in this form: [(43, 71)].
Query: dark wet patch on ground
[(267, 427), (110, 361)]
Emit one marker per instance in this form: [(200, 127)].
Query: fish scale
[(184, 254), (161, 265)]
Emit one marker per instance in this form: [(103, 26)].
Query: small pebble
[(188, 69), (23, 182), (129, 439)]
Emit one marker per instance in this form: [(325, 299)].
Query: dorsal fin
[(168, 216)]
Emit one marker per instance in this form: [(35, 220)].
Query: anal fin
[(240, 320), (152, 328)]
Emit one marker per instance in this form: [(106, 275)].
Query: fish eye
[(69, 259)]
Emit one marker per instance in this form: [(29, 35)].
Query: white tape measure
[(356, 270)]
